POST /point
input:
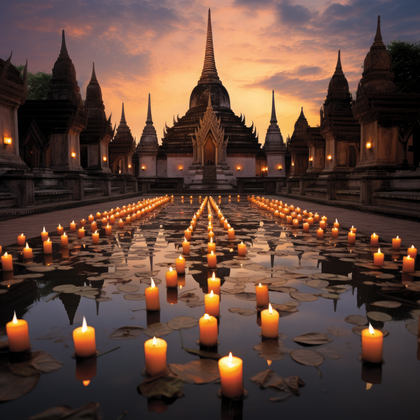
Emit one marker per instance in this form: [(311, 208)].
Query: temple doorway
[(84, 157), (352, 156), (209, 151)]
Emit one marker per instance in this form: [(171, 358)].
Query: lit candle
[(47, 246), (378, 258), (316, 217), (186, 247), (208, 330), (27, 252), (231, 233), (212, 260), (128, 220), (372, 345), (211, 235), (262, 295), (94, 226), (374, 240), (213, 284), (21, 240), (152, 297), (64, 239), (231, 376), (171, 278), (108, 229), (269, 322), (412, 252), (7, 262), (211, 246), (44, 235), (82, 222), (306, 227), (334, 232), (73, 226), (336, 224), (95, 238), (121, 223), (396, 243), (187, 234), (155, 355), (353, 229), (98, 215), (60, 229), (323, 224), (18, 335), (351, 238), (91, 218), (295, 223), (310, 220), (84, 340), (241, 249), (104, 220), (319, 234), (408, 264), (180, 265), (212, 304), (81, 232), (112, 220)]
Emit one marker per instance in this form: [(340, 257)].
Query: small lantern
[(7, 140), (293, 163), (181, 168), (104, 158), (280, 167), (238, 168), (129, 166), (311, 159), (368, 145), (143, 168), (329, 157), (73, 154)]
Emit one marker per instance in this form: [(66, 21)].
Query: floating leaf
[(269, 378), (15, 386), (338, 331), (163, 385), (128, 288), (204, 353), (356, 320), (200, 371), (313, 339), (40, 361), (66, 288), (284, 310), (379, 316), (189, 297), (385, 276), (135, 296), (415, 313), (147, 280), (158, 330), (387, 304), (90, 411), (127, 333), (413, 327), (307, 357), (327, 352), (243, 311), (246, 296), (182, 322), (329, 296), (303, 297), (317, 284)]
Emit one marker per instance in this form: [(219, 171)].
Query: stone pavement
[(367, 223)]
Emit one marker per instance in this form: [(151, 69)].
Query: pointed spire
[(338, 68), (63, 50), (378, 36), (149, 113), (209, 68), (302, 115), (93, 77), (123, 121), (273, 111)]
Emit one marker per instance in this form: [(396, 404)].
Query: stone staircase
[(209, 174)]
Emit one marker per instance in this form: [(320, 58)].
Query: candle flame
[(412, 246), (206, 316), (270, 308), (48, 240), (379, 250), (211, 240), (185, 239), (154, 341), (14, 318), (211, 294), (96, 232), (371, 329), (86, 383), (352, 227), (59, 225), (108, 225), (269, 362), (242, 243), (27, 246), (368, 386), (152, 283), (211, 253), (84, 327), (5, 254), (22, 234), (170, 269), (230, 357), (397, 237), (180, 257), (64, 234), (408, 257)]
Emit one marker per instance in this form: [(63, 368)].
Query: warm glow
[(371, 329), (180, 257), (154, 341), (64, 234), (368, 145), (230, 357), (214, 276), (379, 250), (104, 158), (170, 269), (211, 293), (311, 159), (270, 308), (44, 227), (7, 140), (211, 240), (181, 168), (14, 316), (280, 167), (336, 221), (206, 316), (329, 157), (84, 327), (408, 257), (397, 236), (412, 246), (293, 163), (211, 253), (73, 154), (129, 166), (27, 246), (152, 283), (238, 168), (86, 383)]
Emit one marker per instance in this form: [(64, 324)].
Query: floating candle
[(374, 240), (93, 226), (412, 252), (27, 252), (319, 234), (180, 265), (47, 246), (212, 304), (336, 224), (60, 229), (378, 258), (73, 226), (81, 232), (323, 224), (212, 260), (64, 239), (171, 278), (211, 246), (372, 345), (208, 330), (82, 222), (155, 355), (213, 284), (334, 232), (353, 229), (18, 335), (84, 340), (296, 223), (152, 297), (44, 235), (261, 292), (186, 247), (306, 227), (187, 234), (108, 230), (408, 264), (241, 249), (21, 240), (269, 322), (352, 238), (121, 224), (91, 218), (95, 238), (396, 243), (231, 376)]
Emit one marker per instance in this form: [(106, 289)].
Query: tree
[(38, 84), (406, 65)]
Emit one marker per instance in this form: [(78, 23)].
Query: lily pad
[(189, 297), (338, 331), (182, 322), (15, 386), (313, 339), (158, 330), (413, 327), (40, 361), (271, 379), (127, 333), (204, 353), (379, 316), (66, 288), (303, 297), (317, 284), (327, 352), (307, 357), (243, 311), (163, 385), (128, 288), (356, 320), (135, 296), (200, 371), (387, 304)]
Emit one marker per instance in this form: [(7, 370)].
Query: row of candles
[(295, 216), (130, 212)]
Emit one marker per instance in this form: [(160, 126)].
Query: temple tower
[(274, 146), (338, 126), (298, 146), (121, 148), (148, 148), (95, 138)]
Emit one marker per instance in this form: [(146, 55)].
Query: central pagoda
[(209, 139)]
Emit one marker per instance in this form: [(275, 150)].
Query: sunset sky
[(157, 46)]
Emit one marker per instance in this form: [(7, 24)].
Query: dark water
[(336, 389)]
